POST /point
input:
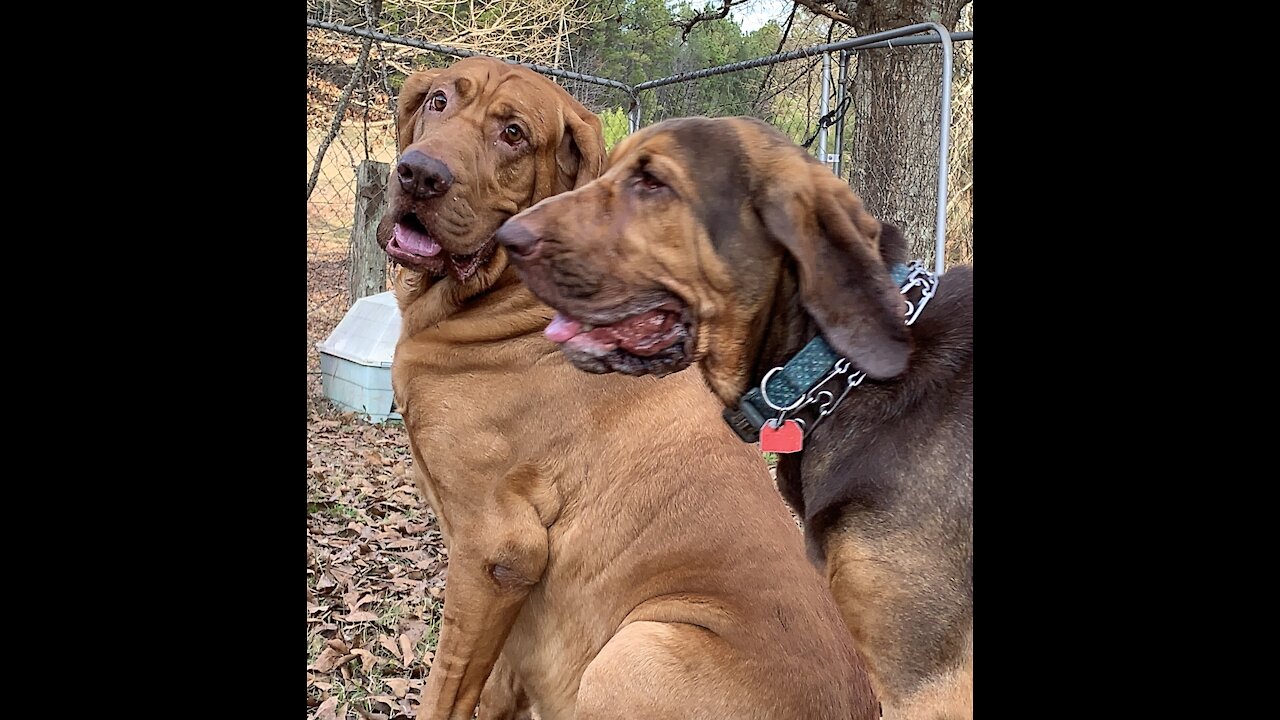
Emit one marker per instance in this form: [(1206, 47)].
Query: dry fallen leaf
[(343, 573), (415, 629), (367, 659), (342, 664), (328, 660), (406, 650), (360, 616), (328, 710), (399, 686), (389, 644)]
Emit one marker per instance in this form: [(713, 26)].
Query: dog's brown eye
[(438, 102), (513, 134), (649, 182)]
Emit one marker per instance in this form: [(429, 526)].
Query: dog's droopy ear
[(893, 246), (844, 283), (412, 94), (580, 157)]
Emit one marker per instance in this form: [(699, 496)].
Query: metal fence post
[(633, 112), (824, 106), (844, 84), (944, 148)]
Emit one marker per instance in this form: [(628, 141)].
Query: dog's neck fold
[(785, 328), (426, 302)]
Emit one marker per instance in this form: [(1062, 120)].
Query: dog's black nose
[(423, 176), (517, 237)]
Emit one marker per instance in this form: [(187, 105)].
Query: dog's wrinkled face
[(675, 255), (479, 141)]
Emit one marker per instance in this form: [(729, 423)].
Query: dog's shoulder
[(869, 454), (952, 306), (943, 334)]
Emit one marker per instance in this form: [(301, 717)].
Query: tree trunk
[(896, 116), (368, 274)]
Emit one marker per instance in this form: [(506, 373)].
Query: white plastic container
[(355, 360)]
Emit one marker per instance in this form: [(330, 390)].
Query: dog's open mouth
[(653, 341), (413, 246)]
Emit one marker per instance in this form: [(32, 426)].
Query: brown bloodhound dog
[(721, 242), (614, 551)]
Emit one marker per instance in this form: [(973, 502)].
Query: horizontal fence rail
[(863, 42)]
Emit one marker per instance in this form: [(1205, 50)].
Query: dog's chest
[(468, 419)]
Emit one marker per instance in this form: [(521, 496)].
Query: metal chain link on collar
[(917, 276)]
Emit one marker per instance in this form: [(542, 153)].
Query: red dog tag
[(786, 439)]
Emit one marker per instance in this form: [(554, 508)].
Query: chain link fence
[(787, 94), (340, 76), (356, 63)]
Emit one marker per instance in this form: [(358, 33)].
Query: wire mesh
[(353, 76), (787, 95)]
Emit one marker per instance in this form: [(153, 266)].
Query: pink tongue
[(562, 328), (644, 335), (415, 242)]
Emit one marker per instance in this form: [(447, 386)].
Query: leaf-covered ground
[(375, 562)]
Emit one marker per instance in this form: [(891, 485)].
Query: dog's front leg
[(499, 555)]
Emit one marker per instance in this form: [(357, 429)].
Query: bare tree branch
[(814, 7), (768, 74), (365, 45), (705, 15), (528, 30), (802, 74)]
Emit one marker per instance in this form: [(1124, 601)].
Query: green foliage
[(616, 126), (637, 42)]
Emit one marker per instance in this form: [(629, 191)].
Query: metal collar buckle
[(747, 419)]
